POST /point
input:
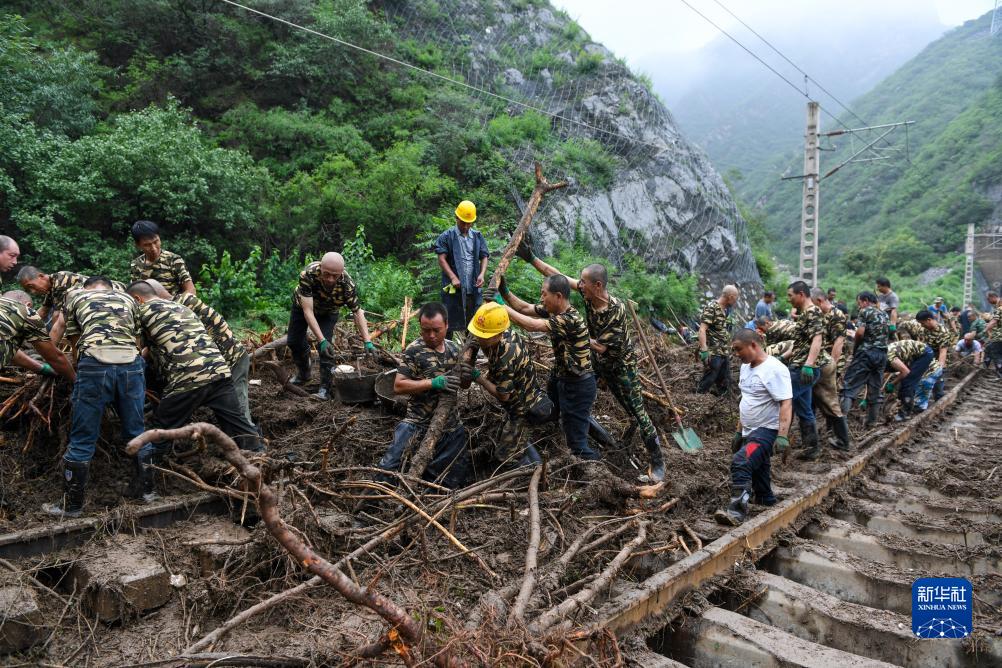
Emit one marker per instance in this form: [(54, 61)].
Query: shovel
[(684, 436)]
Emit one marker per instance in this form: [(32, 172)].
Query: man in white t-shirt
[(766, 412), (968, 346)]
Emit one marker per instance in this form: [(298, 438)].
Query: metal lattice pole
[(969, 267), (812, 188), (996, 18)]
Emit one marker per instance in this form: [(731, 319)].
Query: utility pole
[(969, 267), (996, 19), (809, 208)]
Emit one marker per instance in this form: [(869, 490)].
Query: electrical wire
[(442, 77)]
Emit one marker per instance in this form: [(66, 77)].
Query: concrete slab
[(21, 620), (879, 634), (827, 569), (119, 579), (727, 639), (855, 540), (214, 540), (876, 517)]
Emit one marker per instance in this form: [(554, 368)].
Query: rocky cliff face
[(666, 203)]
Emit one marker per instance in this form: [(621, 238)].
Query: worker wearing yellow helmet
[(462, 256), (511, 380)]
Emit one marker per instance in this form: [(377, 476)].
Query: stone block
[(20, 619), (214, 540), (119, 579)]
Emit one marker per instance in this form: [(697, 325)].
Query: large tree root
[(517, 613), (267, 504)]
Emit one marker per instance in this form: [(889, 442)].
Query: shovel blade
[(687, 440)]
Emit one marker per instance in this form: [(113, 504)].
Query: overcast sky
[(649, 32)]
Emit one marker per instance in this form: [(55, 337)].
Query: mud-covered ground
[(316, 452)]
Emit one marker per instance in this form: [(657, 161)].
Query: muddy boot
[(144, 463), (872, 414), (530, 458), (135, 487), (74, 485), (840, 430), (905, 410), (656, 473), (303, 372), (598, 433), (846, 406), (809, 437), (737, 509)]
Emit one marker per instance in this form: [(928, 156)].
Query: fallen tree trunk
[(267, 504), (447, 403)]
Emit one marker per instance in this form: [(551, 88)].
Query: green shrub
[(587, 161), (588, 63)]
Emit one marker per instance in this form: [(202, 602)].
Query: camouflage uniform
[(913, 328), (233, 351), (617, 366), (19, 325), (571, 387), (923, 372), (779, 331), (327, 304), (450, 462), (994, 348), (169, 270), (109, 370), (866, 369), (509, 367), (826, 390), (718, 344), (195, 372), (809, 324), (60, 284)]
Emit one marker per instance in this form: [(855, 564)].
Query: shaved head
[(158, 288), (19, 296), (730, 290), (333, 262)]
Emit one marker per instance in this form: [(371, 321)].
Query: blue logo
[(942, 608)]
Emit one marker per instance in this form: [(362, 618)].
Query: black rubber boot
[(144, 463), (737, 509), (598, 433), (872, 414), (657, 468), (846, 406), (809, 438), (840, 428), (531, 458), (303, 372), (74, 485), (323, 394), (905, 410)]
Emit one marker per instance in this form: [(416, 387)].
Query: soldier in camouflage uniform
[(324, 288), (196, 374), (53, 288), (103, 326), (21, 325), (826, 391), (613, 354), (715, 342), (233, 351), (572, 386), (869, 357), (913, 360), (939, 337), (806, 360), (993, 334), (424, 375), (778, 331), (163, 266)]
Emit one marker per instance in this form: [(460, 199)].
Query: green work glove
[(445, 383), (889, 388), (47, 370), (892, 328), (781, 443), (806, 375), (736, 441), (370, 347), (704, 355), (326, 349)]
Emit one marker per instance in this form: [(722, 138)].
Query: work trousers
[(175, 411), (926, 386), (240, 373), (865, 370), (803, 395), (299, 345), (916, 369), (572, 400), (751, 465), (450, 462), (624, 384), (461, 307), (97, 385), (717, 375), (514, 432), (825, 392), (993, 354)]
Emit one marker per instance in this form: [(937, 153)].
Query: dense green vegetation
[(256, 146), (902, 218)]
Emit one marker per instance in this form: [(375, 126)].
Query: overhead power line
[(442, 77)]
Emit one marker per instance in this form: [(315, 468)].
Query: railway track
[(824, 579)]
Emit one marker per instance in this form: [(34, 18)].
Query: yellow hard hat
[(489, 320), (466, 211)]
